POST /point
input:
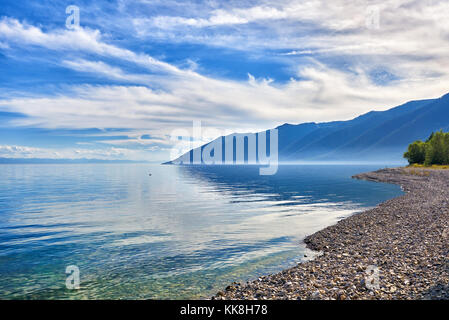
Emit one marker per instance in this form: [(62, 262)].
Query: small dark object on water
[(149, 174)]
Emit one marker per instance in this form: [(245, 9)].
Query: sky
[(128, 77)]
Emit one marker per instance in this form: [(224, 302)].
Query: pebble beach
[(397, 250)]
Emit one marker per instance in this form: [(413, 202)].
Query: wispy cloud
[(79, 39), (323, 93), (104, 70)]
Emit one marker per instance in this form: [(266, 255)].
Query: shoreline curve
[(397, 250)]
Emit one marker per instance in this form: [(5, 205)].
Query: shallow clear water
[(183, 232)]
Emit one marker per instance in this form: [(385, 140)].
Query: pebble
[(405, 239)]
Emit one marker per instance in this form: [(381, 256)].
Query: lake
[(183, 232)]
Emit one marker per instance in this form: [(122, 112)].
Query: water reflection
[(183, 232)]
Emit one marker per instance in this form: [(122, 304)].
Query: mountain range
[(377, 136)]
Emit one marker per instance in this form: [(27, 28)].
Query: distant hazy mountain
[(374, 136), (60, 161)]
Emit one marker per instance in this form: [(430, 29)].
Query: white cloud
[(110, 153), (79, 39), (104, 70), (322, 94), (411, 42), (340, 27), (17, 151), (223, 17)]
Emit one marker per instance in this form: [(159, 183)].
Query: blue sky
[(133, 73)]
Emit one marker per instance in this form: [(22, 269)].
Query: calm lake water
[(183, 232)]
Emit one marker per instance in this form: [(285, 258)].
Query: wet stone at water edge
[(405, 238)]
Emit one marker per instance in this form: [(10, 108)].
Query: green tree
[(430, 137), (416, 152), (446, 148), (436, 149)]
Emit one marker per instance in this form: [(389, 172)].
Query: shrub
[(416, 152)]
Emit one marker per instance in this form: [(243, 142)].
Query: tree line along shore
[(433, 151)]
